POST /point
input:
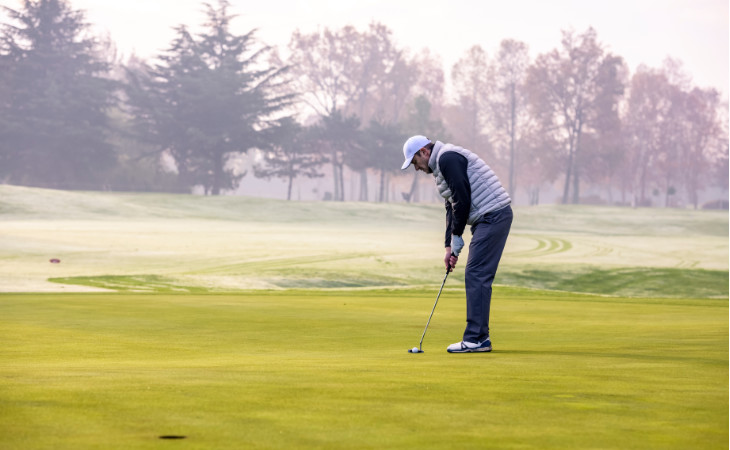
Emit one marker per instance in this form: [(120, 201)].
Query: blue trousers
[(489, 237)]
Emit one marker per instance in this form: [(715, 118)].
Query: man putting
[(474, 196)]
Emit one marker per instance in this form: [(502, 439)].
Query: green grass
[(249, 323), (181, 243), (624, 281), (329, 369)]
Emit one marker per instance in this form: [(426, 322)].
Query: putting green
[(330, 369)]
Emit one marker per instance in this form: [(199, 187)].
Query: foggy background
[(314, 102)]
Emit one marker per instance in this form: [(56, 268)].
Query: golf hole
[(170, 436)]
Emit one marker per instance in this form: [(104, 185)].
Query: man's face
[(420, 161)]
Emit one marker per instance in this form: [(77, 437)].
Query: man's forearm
[(449, 223), (454, 169)]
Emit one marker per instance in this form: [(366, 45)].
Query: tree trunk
[(342, 183), (576, 186), (413, 194), (387, 188), (364, 185), (576, 166), (568, 172), (609, 191), (638, 177), (381, 196), (642, 186), (335, 177), (217, 173), (512, 142)]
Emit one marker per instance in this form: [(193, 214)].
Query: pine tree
[(55, 98), (208, 98), (291, 155)]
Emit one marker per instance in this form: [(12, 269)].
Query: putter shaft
[(432, 310)]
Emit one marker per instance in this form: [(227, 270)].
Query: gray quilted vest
[(487, 193)]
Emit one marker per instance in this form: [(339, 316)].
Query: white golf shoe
[(470, 347)]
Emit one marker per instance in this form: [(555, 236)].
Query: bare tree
[(470, 78), (356, 73), (431, 80), (565, 81), (508, 101), (361, 75), (604, 163), (318, 64), (647, 110), (673, 133), (702, 130), (720, 149)]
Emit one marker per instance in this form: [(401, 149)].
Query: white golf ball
[(414, 350)]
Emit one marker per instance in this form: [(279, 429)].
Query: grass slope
[(329, 369), (181, 243)]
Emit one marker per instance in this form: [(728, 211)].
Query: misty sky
[(641, 31)]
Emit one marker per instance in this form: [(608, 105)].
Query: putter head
[(410, 350)]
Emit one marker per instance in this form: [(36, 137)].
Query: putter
[(420, 344)]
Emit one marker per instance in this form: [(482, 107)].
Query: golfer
[(474, 196)]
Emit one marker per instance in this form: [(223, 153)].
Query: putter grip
[(448, 269)]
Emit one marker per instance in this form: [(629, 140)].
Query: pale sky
[(641, 31)]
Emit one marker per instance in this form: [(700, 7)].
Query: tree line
[(73, 116)]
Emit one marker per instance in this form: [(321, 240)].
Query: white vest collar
[(433, 159)]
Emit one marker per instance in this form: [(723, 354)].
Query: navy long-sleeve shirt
[(453, 168)]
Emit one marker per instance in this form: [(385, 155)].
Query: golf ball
[(414, 350)]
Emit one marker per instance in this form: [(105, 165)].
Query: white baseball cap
[(411, 147)]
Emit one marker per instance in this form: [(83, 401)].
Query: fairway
[(249, 323), (191, 244)]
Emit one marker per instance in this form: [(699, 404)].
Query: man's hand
[(457, 244), (450, 260)]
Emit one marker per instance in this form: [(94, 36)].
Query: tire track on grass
[(544, 246)]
